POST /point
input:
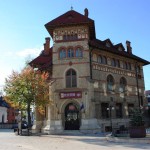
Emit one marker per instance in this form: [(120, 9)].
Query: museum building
[(94, 85)]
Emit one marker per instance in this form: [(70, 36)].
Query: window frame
[(71, 79), (110, 82)]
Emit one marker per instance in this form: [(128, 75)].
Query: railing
[(6, 125)]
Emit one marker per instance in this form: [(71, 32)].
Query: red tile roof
[(71, 18), (42, 59), (101, 45)]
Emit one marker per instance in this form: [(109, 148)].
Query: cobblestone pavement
[(10, 141)]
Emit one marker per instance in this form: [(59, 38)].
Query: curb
[(128, 140)]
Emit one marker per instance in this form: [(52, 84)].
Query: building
[(7, 113), (3, 110), (94, 84), (147, 93)]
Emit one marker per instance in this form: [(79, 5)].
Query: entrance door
[(71, 117)]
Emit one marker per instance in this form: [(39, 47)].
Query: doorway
[(72, 117)]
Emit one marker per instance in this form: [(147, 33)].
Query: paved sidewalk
[(10, 141), (145, 140)]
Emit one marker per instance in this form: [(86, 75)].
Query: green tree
[(29, 87)]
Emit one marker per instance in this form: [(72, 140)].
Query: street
[(10, 141)]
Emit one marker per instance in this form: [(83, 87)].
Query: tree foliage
[(136, 118), (29, 87)]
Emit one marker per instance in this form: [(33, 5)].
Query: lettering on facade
[(65, 95)]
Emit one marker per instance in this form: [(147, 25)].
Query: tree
[(29, 87)]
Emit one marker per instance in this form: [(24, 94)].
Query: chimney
[(86, 12), (129, 48), (47, 46)]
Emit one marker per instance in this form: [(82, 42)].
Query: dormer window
[(107, 44), (120, 48)]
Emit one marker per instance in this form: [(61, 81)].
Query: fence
[(6, 125)]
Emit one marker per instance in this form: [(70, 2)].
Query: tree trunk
[(29, 117)]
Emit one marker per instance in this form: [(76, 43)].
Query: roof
[(71, 18), (43, 61), (40, 60), (113, 49)]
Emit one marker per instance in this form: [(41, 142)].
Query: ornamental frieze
[(112, 70)]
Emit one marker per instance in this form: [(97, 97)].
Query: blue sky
[(22, 31)]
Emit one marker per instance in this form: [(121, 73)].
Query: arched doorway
[(72, 121)]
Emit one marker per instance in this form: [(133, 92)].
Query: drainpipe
[(91, 75), (137, 83)]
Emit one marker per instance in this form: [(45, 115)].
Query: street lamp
[(110, 108)]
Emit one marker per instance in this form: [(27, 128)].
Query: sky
[(22, 31)]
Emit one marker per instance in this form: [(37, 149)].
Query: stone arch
[(63, 107)]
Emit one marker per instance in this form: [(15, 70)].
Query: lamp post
[(110, 108)]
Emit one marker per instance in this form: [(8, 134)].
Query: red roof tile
[(71, 18), (102, 46), (40, 60)]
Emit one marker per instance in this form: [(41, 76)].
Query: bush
[(137, 119)]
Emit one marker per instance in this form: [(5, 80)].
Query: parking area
[(11, 141)]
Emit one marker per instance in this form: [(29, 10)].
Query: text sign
[(65, 95)]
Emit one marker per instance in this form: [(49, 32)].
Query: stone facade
[(83, 97)]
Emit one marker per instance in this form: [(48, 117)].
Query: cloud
[(29, 52)]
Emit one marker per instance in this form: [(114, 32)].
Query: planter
[(137, 132)]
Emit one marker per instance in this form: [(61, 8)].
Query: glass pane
[(74, 82), (68, 82), (73, 72), (68, 73)]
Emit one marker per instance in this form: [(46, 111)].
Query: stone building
[(94, 84)]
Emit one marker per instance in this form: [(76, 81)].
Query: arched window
[(71, 78), (110, 82), (123, 84), (62, 54), (70, 53), (99, 59), (137, 69), (125, 65), (104, 60), (117, 63), (129, 66), (94, 57), (78, 52), (113, 63)]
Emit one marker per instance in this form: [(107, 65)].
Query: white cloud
[(29, 52)]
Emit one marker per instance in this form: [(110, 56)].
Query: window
[(78, 52), (105, 112), (137, 68), (123, 84), (129, 66), (117, 63), (130, 109), (118, 110), (70, 53), (71, 79), (99, 59), (104, 60), (113, 63), (62, 54), (125, 65), (110, 83), (70, 37)]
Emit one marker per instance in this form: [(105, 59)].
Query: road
[(10, 141)]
